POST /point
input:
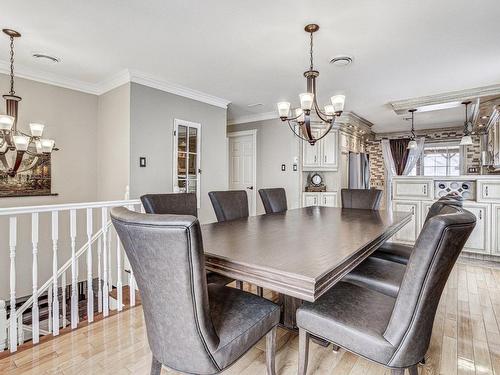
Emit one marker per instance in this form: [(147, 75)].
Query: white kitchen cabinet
[(488, 191), (413, 189), (325, 199), (323, 155), (478, 241), (495, 229), (409, 233)]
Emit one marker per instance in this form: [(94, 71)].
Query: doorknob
[(250, 187)]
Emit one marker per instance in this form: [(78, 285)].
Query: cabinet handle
[(480, 214), (324, 201), (325, 158), (315, 201), (486, 190), (315, 158), (425, 189), (413, 210)]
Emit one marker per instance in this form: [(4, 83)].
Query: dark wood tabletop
[(300, 253)]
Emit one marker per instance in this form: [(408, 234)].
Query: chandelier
[(308, 102), (413, 143), (16, 146), (468, 126)]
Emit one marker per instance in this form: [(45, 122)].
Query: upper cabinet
[(324, 154)]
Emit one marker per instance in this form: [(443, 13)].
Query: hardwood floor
[(465, 340)]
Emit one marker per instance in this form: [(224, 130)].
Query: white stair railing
[(13, 329)]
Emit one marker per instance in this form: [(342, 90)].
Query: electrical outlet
[(142, 162)]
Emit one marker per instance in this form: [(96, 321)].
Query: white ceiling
[(256, 51)]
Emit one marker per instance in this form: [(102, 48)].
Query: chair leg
[(239, 284), (155, 367), (413, 370), (303, 351), (260, 291), (397, 371), (271, 351)]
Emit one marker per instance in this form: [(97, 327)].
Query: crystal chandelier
[(15, 145), (308, 103)]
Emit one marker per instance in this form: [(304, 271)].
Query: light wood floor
[(466, 340)]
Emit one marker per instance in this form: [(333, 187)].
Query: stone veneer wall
[(374, 150)]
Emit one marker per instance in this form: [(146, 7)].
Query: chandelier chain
[(311, 51), (12, 92)]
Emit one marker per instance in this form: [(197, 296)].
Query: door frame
[(175, 138), (253, 133)]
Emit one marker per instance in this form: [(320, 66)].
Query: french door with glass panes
[(187, 147)]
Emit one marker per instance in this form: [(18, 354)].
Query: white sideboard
[(325, 199), (416, 195)]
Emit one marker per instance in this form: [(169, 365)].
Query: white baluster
[(131, 283), (119, 273), (55, 290), (99, 275), (74, 274), (35, 315), (105, 287), (110, 274), (20, 330), (64, 299), (3, 325), (13, 319), (90, 291), (50, 295)]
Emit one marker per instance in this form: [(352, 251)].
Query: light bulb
[(412, 145), (329, 110), (283, 109), (466, 140), (36, 129), (6, 122), (21, 142), (338, 102), (47, 145), (306, 100)]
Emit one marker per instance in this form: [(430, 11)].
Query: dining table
[(299, 253)]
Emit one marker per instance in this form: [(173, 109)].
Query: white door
[(495, 246), (478, 240), (312, 154), (242, 165), (329, 199), (310, 199), (409, 233), (330, 150)]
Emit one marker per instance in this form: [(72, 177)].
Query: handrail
[(66, 206), (60, 271)]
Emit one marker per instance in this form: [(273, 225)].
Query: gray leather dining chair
[(231, 205), (392, 331), (366, 199), (274, 200), (179, 204), (400, 253), (191, 327)]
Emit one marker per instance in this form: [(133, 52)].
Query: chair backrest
[(229, 205), (173, 204), (447, 200), (274, 200), (367, 199), (166, 255), (435, 252)]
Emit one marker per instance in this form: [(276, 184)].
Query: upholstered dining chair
[(179, 204), (192, 327), (400, 253), (274, 200), (392, 331), (367, 199)]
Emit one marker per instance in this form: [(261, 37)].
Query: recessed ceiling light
[(46, 57), (341, 60), (485, 117), (254, 105)]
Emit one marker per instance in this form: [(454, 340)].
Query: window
[(439, 159), (187, 137)]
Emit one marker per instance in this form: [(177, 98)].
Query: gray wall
[(151, 135), (113, 143), (71, 119), (276, 145)]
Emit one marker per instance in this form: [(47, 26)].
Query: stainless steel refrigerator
[(359, 171)]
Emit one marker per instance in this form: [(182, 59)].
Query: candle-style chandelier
[(308, 103), (15, 145)]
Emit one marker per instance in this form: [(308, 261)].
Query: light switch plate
[(142, 162)]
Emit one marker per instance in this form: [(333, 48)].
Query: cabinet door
[(488, 191), (328, 199), (478, 240), (416, 189), (310, 199), (330, 146), (311, 154), (409, 233), (495, 235)]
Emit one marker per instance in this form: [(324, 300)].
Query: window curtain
[(413, 156), (399, 151)]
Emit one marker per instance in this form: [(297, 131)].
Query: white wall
[(276, 145), (151, 135), (113, 143)]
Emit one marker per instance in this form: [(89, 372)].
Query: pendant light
[(413, 143), (466, 139)]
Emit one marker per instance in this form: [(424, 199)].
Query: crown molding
[(402, 106), (42, 76), (253, 118)]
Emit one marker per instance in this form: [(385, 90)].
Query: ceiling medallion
[(308, 103), (15, 145)]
